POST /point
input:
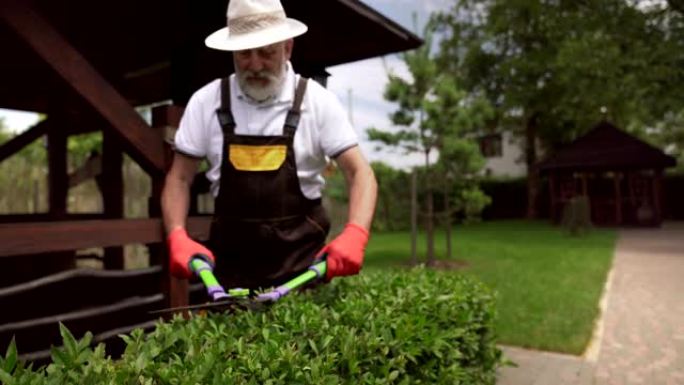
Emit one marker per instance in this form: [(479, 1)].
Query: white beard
[(261, 93)]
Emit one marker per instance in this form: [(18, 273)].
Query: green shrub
[(417, 327)]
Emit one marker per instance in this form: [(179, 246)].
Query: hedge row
[(416, 327)]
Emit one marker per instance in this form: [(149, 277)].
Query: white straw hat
[(254, 23)]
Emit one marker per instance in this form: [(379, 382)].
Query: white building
[(504, 155)]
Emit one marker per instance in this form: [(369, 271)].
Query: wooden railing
[(44, 237), (104, 302)]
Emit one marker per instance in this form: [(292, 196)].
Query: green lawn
[(549, 283)]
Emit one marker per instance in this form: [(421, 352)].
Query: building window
[(491, 146)]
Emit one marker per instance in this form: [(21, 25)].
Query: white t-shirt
[(324, 130)]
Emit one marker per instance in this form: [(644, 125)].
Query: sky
[(359, 86)]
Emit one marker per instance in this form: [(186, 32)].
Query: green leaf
[(6, 378), (312, 344), (10, 357), (59, 357), (70, 344)]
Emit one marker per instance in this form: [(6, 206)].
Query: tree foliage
[(434, 116), (550, 67)]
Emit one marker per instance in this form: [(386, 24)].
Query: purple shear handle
[(274, 294), (217, 293), (316, 271)]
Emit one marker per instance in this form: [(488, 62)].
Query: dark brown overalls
[(265, 231)]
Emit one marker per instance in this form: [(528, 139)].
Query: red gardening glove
[(181, 249), (345, 253)]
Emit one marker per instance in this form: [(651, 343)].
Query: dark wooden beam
[(42, 217), (111, 186), (58, 187), (145, 146), (585, 184), (552, 196), (166, 119), (618, 198), (22, 140), (657, 197), (43, 237)]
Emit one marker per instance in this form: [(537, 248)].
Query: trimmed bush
[(392, 327)]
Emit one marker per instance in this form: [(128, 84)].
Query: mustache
[(259, 74)]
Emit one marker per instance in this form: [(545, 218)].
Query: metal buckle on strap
[(225, 117), (292, 119)]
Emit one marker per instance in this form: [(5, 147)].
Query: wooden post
[(552, 198), (657, 197), (164, 120), (618, 198), (110, 182), (58, 190), (57, 175)]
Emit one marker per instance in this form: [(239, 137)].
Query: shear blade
[(218, 306)]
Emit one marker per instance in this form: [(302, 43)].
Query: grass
[(549, 284)]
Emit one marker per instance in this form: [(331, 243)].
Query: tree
[(459, 117), (391, 197), (550, 66), (435, 116), (415, 135)]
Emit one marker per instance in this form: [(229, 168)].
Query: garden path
[(641, 334)]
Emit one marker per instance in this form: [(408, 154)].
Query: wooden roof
[(606, 147), (153, 50)]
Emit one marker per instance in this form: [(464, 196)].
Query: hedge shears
[(222, 299)]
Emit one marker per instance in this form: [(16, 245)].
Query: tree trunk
[(531, 161), (430, 219), (385, 201), (386, 198), (430, 227), (387, 210), (414, 217), (447, 220)]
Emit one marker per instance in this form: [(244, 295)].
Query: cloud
[(426, 6), (360, 87), (402, 11), (367, 79)]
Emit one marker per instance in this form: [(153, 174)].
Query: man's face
[(261, 71)]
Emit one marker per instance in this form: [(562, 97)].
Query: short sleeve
[(336, 132), (192, 136)]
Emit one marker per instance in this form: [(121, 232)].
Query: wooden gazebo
[(86, 65), (619, 174)]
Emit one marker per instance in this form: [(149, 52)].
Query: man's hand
[(181, 249), (346, 252)]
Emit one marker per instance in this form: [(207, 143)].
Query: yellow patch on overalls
[(257, 158)]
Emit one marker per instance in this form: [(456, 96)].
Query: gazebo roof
[(153, 50), (606, 147)]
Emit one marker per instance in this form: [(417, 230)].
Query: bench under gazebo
[(619, 174)]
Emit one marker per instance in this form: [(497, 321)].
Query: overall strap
[(225, 115), (292, 119)]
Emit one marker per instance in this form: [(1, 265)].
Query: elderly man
[(267, 134)]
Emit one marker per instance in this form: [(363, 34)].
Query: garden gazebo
[(86, 65), (619, 174)]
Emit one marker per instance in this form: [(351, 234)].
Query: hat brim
[(224, 41)]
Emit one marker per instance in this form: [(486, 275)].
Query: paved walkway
[(641, 334)]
